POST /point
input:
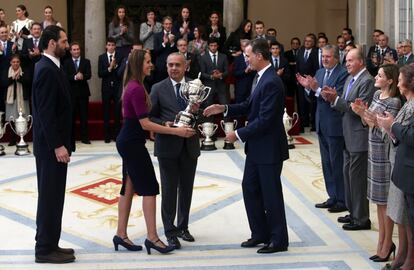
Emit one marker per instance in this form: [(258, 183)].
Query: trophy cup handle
[(222, 124), (206, 94), (296, 116), (235, 123), (11, 119), (215, 128), (29, 118), (200, 128)]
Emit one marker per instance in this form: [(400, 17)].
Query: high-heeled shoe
[(386, 259), (120, 241), (149, 244), (373, 257)]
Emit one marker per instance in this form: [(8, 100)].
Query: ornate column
[(232, 14), (94, 41), (364, 12)]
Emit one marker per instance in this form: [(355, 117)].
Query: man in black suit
[(244, 75), (111, 88), (164, 44), (340, 42), (78, 70), (279, 63), (407, 50), (266, 149), (192, 65), (373, 53), (52, 145), (30, 52), (177, 156), (214, 71), (291, 56), (306, 64), (6, 51)]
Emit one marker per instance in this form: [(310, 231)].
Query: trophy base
[(2, 153), (208, 147), (228, 146), (22, 150), (291, 146)]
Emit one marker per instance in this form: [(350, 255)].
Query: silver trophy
[(21, 129), (288, 124), (227, 128), (208, 129), (2, 132), (194, 92)]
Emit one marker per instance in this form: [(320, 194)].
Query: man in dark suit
[(279, 63), (78, 70), (192, 65), (177, 156), (291, 56), (244, 75), (111, 88), (6, 51), (373, 53), (306, 64), (383, 55), (266, 149), (329, 126), (30, 52), (359, 84), (408, 56), (164, 44), (214, 71), (52, 145)]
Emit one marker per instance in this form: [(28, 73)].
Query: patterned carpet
[(218, 220)]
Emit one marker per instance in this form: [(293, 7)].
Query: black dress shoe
[(186, 236), (271, 248), (324, 205), (337, 208), (65, 250), (252, 243), (345, 219), (174, 242), (86, 141), (356, 227), (55, 257)]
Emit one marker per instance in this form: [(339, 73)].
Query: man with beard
[(52, 115)]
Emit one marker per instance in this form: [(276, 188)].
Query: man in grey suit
[(177, 156), (408, 56), (359, 85), (214, 70)]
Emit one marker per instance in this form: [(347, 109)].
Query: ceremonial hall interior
[(218, 218)]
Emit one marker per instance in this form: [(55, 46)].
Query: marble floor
[(218, 220)]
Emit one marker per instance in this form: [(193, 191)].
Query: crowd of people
[(361, 107)]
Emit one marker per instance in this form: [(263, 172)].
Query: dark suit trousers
[(80, 104), (303, 107), (355, 181), (263, 199), (177, 178), (51, 184), (112, 94), (331, 148), (410, 207)]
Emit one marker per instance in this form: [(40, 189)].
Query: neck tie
[(214, 60), (180, 101), (5, 48), (349, 88), (110, 58), (306, 56), (254, 84), (36, 43), (405, 60), (275, 62), (325, 79), (320, 60), (76, 65)]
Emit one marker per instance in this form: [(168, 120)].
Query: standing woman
[(49, 20), (216, 29), (386, 99), (122, 30), (148, 29), (198, 45), (138, 171), (184, 25), (17, 96), (20, 28), (232, 45)]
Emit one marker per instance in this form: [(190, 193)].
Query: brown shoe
[(65, 250), (55, 257)]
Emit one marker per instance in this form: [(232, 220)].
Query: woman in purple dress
[(138, 171)]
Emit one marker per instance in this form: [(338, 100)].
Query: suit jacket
[(207, 67), (79, 88), (108, 77), (222, 39), (283, 63), (5, 59), (291, 57), (373, 68), (265, 134), (355, 133), (310, 66), (327, 119), (403, 172), (6, 81), (409, 61), (194, 68), (164, 108), (243, 83), (51, 108), (162, 52)]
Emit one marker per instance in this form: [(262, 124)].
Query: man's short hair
[(49, 33), (110, 40), (259, 22), (74, 43), (261, 46), (35, 23), (212, 40), (334, 48)]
